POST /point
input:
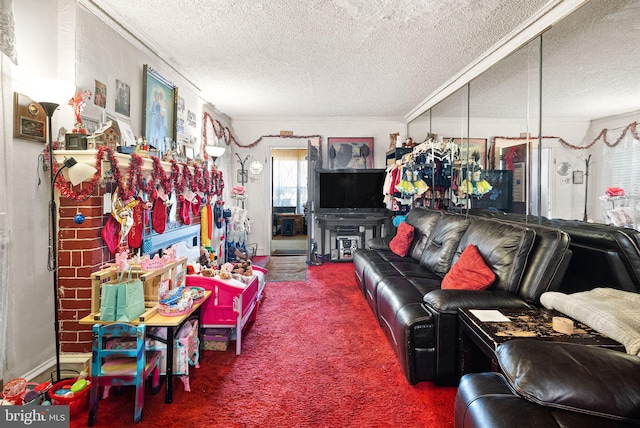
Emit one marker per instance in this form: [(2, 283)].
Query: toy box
[(216, 339)]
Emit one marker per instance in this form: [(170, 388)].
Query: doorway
[(289, 201)]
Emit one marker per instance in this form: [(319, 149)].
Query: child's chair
[(121, 365)]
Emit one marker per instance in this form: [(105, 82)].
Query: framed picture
[(160, 99), (100, 99), (355, 153), (476, 149), (29, 119), (90, 124), (123, 98), (578, 177)]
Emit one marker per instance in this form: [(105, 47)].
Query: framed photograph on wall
[(476, 149), (123, 98), (159, 100), (90, 124), (355, 153), (29, 119)]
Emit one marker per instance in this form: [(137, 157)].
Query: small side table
[(475, 335)]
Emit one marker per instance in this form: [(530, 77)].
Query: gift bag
[(130, 299), (108, 302)]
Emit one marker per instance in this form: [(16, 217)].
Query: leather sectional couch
[(418, 317), (546, 384), (552, 384)]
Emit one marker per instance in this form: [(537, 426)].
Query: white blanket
[(614, 313)]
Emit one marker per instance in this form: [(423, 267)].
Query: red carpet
[(315, 357)]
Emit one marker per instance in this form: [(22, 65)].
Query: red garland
[(127, 187), (601, 136), (225, 134)]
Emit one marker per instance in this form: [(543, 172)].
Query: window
[(290, 178)]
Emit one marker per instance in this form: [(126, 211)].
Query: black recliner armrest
[(448, 301), (585, 379), (379, 243)]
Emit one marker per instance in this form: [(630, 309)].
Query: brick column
[(81, 251)]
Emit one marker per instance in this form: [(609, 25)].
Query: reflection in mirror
[(449, 131), (420, 127), (591, 102), (503, 109)]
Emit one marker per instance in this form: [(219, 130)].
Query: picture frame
[(90, 124), (159, 100), (475, 146), (100, 97), (350, 153), (578, 177), (123, 98), (29, 119)]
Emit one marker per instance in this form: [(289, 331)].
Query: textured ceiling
[(319, 58)]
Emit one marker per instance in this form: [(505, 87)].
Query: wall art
[(160, 98), (123, 98), (355, 153), (100, 98), (29, 119)]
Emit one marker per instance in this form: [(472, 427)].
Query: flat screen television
[(357, 190)]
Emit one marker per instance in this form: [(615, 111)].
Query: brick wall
[(81, 251)]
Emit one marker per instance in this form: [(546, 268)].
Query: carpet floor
[(286, 268), (315, 357)]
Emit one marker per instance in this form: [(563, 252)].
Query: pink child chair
[(120, 365)]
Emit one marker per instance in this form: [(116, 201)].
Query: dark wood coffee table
[(477, 340)]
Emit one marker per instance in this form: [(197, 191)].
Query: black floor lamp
[(54, 92)]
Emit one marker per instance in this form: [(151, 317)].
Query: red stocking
[(185, 207), (135, 233), (111, 234), (195, 206), (159, 216)]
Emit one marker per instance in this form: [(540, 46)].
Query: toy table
[(233, 303), (173, 324)]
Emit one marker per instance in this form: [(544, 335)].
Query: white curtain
[(290, 178), (7, 47)]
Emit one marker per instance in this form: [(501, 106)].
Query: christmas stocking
[(185, 208), (159, 216), (135, 233), (111, 234)]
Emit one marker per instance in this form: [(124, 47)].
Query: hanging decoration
[(133, 182), (630, 128), (222, 132)]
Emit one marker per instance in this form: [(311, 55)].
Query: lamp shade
[(215, 151), (78, 172), (44, 89)]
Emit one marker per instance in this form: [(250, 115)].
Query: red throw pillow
[(470, 272), (402, 241)]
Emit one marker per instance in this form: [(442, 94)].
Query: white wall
[(60, 39), (30, 341), (247, 131)]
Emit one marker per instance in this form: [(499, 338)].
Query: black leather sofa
[(418, 317), (551, 384), (603, 255), (558, 384)]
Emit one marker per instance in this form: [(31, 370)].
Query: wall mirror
[(563, 106), (590, 88)]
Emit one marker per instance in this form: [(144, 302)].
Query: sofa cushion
[(505, 247), (442, 243), (402, 241), (470, 272), (570, 376), (423, 220)]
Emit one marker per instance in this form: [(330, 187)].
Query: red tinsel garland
[(601, 136), (134, 182)]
